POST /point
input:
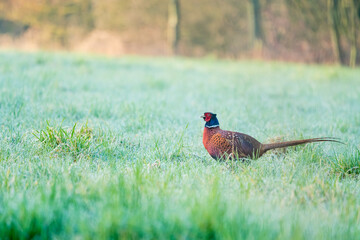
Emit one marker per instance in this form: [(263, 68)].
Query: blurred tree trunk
[(352, 16), (174, 25), (255, 25), (334, 24), (87, 15)]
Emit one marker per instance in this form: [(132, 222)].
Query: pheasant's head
[(210, 120)]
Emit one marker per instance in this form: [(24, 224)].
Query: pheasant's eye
[(207, 117)]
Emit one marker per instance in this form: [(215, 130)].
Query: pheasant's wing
[(238, 144), (227, 143), (243, 145), (248, 144)]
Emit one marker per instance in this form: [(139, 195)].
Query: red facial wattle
[(207, 117)]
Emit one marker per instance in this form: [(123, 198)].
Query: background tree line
[(295, 30)]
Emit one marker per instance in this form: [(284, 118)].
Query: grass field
[(98, 148)]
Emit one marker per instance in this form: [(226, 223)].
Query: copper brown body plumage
[(222, 144)]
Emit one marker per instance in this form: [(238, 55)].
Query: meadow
[(111, 148)]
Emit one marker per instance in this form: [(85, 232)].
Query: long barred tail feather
[(269, 146)]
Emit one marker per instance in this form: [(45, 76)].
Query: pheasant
[(220, 143)]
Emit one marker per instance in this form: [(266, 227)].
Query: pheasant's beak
[(202, 116)]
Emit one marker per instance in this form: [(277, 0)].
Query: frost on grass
[(346, 164), (81, 142), (75, 141), (173, 150)]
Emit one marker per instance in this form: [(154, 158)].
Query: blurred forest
[(321, 31)]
